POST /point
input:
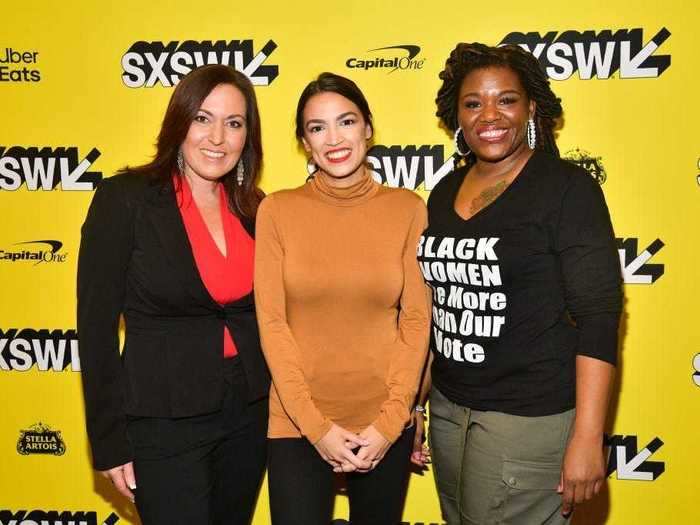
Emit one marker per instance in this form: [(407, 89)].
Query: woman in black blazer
[(178, 422)]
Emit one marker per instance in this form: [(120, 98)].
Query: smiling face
[(217, 134), (336, 135), (493, 110)]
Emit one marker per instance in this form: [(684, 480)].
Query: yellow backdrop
[(83, 87)]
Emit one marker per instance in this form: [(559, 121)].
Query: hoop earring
[(180, 160), (240, 172), (531, 134), (459, 150)]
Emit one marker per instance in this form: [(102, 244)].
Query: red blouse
[(226, 278)]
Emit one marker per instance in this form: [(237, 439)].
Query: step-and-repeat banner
[(84, 85)]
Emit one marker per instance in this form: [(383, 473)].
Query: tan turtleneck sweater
[(343, 310)]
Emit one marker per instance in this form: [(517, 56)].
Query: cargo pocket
[(529, 493)]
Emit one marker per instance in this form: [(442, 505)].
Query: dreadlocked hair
[(466, 58)]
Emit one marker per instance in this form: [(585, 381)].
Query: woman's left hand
[(583, 471), (374, 451)]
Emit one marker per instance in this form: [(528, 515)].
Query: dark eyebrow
[(346, 114), (315, 121), (339, 117), (209, 113), (506, 92)]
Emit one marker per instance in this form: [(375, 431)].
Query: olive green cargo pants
[(496, 468)]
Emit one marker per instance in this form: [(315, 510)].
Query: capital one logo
[(594, 54), (633, 464), (47, 168), (54, 517), (44, 251), (146, 64), (409, 166), (391, 58), (636, 268)]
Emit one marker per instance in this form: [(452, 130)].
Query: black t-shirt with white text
[(521, 288)]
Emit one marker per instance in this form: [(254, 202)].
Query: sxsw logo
[(54, 517), (146, 64), (594, 54), (26, 348), (409, 166), (47, 168), (635, 266), (630, 463)]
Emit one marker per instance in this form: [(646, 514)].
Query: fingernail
[(132, 486)]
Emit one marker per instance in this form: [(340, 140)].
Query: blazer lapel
[(170, 230)]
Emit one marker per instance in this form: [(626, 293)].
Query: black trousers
[(204, 469), (302, 485)]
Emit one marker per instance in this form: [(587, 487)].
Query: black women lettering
[(464, 313)]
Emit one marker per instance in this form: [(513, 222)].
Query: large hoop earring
[(240, 172), (459, 150), (531, 134), (180, 162)]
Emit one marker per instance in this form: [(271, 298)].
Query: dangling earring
[(180, 162), (240, 172), (531, 134), (311, 167), (459, 150)]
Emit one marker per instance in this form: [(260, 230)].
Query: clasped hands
[(346, 451)]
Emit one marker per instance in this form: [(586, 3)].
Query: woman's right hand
[(337, 446), (123, 479), (421, 453)]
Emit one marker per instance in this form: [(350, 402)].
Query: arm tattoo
[(488, 196)]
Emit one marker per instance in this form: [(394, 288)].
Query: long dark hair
[(465, 58), (185, 102), (330, 82)]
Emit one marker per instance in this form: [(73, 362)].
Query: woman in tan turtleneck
[(344, 319)]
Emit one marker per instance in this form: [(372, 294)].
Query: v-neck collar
[(188, 200), (493, 205)]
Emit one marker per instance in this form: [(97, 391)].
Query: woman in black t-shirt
[(521, 257)]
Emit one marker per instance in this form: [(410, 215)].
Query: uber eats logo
[(631, 463), (40, 439), (409, 166), (47, 168), (601, 54), (19, 66), (636, 268), (55, 517), (146, 64), (47, 351)]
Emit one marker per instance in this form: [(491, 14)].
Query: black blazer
[(135, 260)]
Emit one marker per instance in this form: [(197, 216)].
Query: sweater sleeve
[(590, 267), (105, 251), (414, 329), (278, 343)]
